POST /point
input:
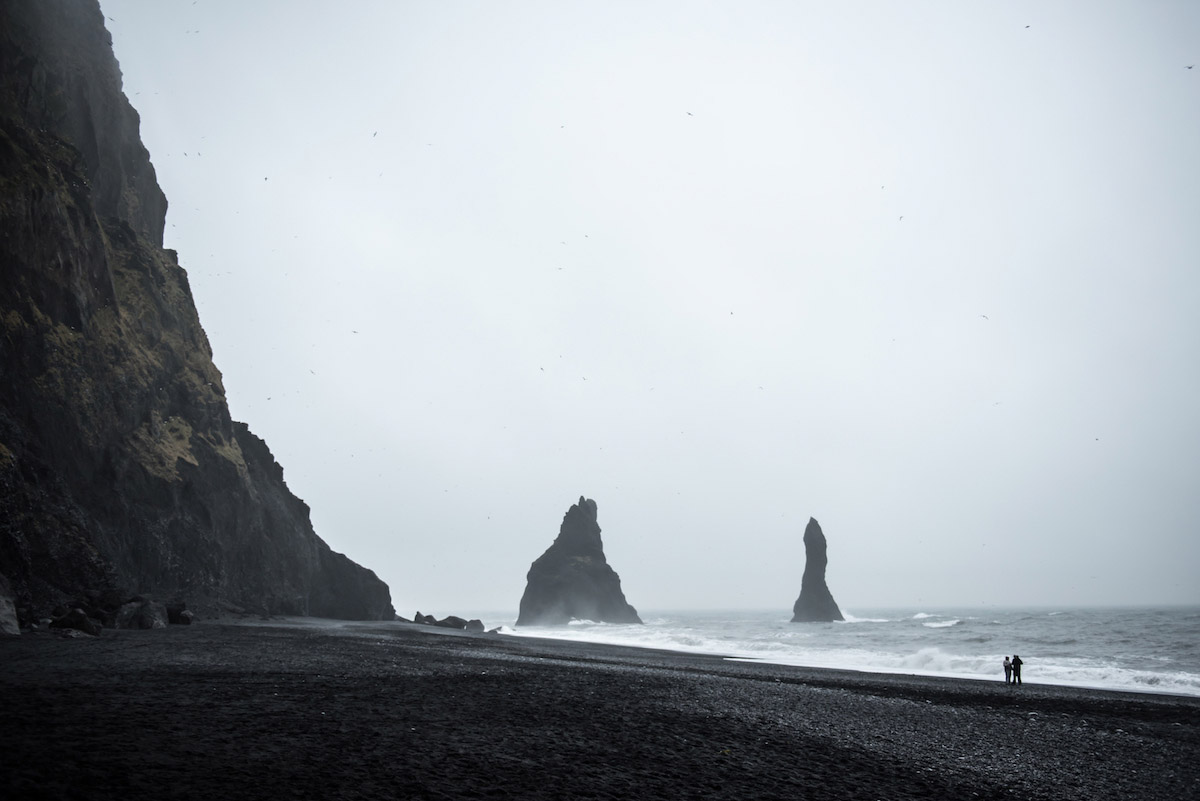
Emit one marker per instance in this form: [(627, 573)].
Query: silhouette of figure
[(1007, 670), (1016, 668)]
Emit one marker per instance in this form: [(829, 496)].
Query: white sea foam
[(1077, 648)]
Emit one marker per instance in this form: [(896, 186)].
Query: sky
[(927, 272)]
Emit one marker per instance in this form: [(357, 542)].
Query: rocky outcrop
[(142, 613), (77, 620), (8, 611), (121, 471), (815, 604), (572, 580)]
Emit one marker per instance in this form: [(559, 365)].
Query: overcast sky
[(928, 272)]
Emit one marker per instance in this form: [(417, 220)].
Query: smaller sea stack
[(572, 580), (815, 604)]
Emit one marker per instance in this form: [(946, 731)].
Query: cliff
[(572, 580), (815, 603), (121, 470)]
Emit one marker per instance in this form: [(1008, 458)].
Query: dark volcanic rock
[(178, 614), (9, 624), (120, 468), (142, 614), (815, 603), (78, 620), (572, 580)]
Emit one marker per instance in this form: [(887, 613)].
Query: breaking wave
[(1085, 648)]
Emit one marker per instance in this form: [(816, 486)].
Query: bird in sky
[(984, 316)]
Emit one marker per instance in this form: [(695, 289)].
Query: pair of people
[(1012, 670)]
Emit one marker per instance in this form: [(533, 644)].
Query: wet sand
[(310, 709)]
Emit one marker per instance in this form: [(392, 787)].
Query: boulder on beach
[(142, 613), (77, 620), (178, 614), (8, 610), (815, 604), (572, 580)]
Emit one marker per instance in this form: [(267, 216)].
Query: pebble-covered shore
[(308, 709)]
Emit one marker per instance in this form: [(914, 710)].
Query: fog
[(927, 272)]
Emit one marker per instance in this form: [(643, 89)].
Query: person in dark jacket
[(1016, 668)]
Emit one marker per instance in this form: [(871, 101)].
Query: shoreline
[(304, 708), (1032, 674), (727, 657)]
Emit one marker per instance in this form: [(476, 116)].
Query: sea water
[(1140, 649)]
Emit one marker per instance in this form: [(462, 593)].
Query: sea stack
[(815, 604), (572, 580)]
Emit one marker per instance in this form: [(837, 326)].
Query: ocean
[(1139, 649)]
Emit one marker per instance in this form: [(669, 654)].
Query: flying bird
[(984, 316), (1189, 66)]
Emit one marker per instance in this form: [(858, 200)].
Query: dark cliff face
[(815, 603), (572, 580), (120, 468)]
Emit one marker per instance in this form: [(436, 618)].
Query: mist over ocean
[(1136, 649)]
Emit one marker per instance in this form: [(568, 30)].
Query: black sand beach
[(289, 709)]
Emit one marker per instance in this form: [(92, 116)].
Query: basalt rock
[(121, 470), (815, 603), (142, 613), (572, 580), (9, 625), (77, 620)]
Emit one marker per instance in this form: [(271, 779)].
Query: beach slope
[(312, 709)]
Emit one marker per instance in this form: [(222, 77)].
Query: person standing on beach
[(1007, 670), (1016, 669)]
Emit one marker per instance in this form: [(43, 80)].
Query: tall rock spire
[(815, 604), (572, 580)]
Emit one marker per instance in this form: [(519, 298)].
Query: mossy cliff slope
[(120, 468)]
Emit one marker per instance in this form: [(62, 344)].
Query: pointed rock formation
[(815, 604), (572, 580)]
